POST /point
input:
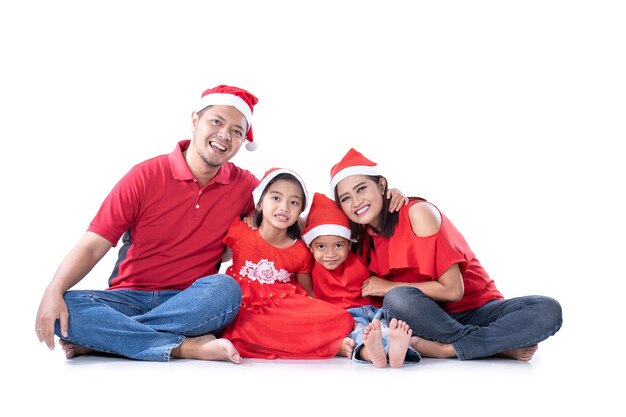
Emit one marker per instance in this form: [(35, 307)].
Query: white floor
[(561, 377)]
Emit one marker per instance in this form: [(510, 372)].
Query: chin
[(330, 267)]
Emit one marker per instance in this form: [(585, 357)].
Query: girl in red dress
[(431, 279), (278, 318)]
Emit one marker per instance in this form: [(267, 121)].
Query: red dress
[(409, 258), (277, 318)]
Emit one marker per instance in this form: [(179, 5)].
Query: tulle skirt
[(294, 326)]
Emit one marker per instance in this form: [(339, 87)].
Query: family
[(369, 274)]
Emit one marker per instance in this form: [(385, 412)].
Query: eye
[(295, 203), (216, 122), (274, 198), (339, 245), (344, 199), (319, 246), (361, 189), (237, 133)]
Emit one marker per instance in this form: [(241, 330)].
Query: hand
[(398, 199), (52, 307), (249, 220), (375, 287)]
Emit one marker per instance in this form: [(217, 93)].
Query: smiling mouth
[(362, 210), (281, 217), (218, 146)]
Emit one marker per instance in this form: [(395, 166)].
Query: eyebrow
[(281, 194), (217, 115), (354, 188)]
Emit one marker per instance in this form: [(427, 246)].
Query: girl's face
[(361, 199), (330, 251), (282, 204)]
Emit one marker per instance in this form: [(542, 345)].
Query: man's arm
[(76, 265)]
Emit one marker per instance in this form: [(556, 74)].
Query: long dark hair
[(293, 231)]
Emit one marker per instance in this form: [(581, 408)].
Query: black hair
[(293, 231)]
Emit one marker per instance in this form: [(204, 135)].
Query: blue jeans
[(362, 317), (147, 325), (492, 328)]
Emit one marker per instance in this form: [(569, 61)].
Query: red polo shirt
[(175, 227)]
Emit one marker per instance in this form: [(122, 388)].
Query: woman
[(431, 279)]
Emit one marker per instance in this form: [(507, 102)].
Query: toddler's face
[(330, 251)]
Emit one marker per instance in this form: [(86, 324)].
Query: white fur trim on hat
[(223, 99), (258, 191), (353, 170), (326, 230)]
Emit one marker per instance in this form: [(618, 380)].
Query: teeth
[(361, 210), (218, 146)]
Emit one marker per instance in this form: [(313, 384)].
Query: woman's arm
[(449, 286), (425, 221)]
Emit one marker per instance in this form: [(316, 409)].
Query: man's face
[(330, 251), (217, 134)]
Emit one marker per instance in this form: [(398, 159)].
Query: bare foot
[(347, 347), (521, 354), (431, 349), (207, 348), (373, 350), (71, 350), (399, 338)]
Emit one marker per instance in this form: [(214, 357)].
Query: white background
[(509, 116)]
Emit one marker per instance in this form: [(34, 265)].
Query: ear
[(382, 184), (194, 120)]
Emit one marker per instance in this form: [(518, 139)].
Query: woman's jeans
[(147, 325), (494, 327), (363, 316)]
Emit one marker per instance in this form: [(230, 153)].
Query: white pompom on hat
[(242, 100)]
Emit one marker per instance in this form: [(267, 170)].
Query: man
[(165, 298)]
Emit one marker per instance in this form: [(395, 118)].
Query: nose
[(224, 132)]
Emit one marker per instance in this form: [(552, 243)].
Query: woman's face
[(361, 199)]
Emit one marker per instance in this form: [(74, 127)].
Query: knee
[(550, 311), (222, 287), (400, 301)]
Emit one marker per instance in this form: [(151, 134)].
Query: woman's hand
[(376, 287)]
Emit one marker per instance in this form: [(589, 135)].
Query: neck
[(374, 225), (274, 236), (203, 172)]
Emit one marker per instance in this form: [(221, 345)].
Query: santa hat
[(269, 176), (325, 218), (353, 163), (242, 100)]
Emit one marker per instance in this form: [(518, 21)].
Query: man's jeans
[(492, 328), (147, 325)]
